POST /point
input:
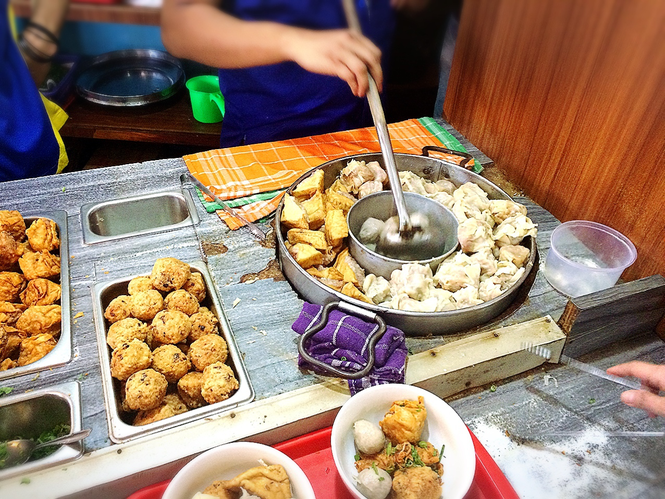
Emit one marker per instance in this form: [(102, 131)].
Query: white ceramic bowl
[(228, 461), (443, 427)]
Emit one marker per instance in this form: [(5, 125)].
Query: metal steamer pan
[(412, 323)]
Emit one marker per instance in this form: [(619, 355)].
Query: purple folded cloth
[(342, 343)]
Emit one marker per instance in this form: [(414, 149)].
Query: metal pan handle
[(373, 339), (464, 164)]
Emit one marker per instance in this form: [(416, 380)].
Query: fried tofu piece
[(350, 290), (306, 255), (315, 209), (293, 215), (336, 228), (313, 237), (266, 482), (405, 420), (310, 186), (336, 284), (326, 273), (350, 269), (338, 186), (339, 201)]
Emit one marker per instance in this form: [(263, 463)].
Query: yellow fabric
[(58, 118), (245, 170)]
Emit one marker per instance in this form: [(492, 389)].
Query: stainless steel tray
[(131, 78), (62, 353), (119, 429), (29, 414)]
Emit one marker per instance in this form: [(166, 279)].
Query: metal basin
[(28, 415), (138, 215)]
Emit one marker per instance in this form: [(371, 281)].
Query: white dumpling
[(453, 276), (412, 279), (370, 230), (355, 174), (504, 272), (515, 254), (463, 210), (488, 290), (513, 229), (504, 208), (376, 288), (412, 183), (474, 235), (445, 185), (485, 258), (444, 299), (404, 302), (369, 187), (379, 173), (443, 198), (467, 297), (472, 195)]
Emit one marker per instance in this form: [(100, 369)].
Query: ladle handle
[(379, 118), (67, 439)]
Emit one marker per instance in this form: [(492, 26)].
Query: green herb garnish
[(5, 390), (422, 444), (416, 458), (441, 453), (390, 450), (356, 457)]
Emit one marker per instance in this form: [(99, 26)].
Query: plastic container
[(585, 257), (208, 105)]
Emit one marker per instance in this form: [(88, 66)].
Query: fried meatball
[(40, 319), (41, 292), (146, 304), (405, 420), (11, 286), (218, 383), (203, 322), (419, 482), (9, 251), (142, 283), (196, 286), (145, 390), (10, 312), (169, 274), (39, 264), (172, 405), (126, 330), (129, 358), (119, 308), (43, 235), (171, 362), (189, 388), (170, 326), (207, 350), (34, 348), (12, 221), (182, 300)]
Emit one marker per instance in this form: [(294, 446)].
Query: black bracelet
[(32, 52), (50, 37)]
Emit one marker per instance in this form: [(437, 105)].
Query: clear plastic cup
[(585, 257)]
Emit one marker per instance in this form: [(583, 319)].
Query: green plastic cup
[(207, 100)]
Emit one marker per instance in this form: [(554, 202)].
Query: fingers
[(650, 374), (643, 399)]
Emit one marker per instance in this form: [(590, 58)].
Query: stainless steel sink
[(27, 415), (137, 215)]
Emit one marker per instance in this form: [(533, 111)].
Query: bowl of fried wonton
[(237, 464), (422, 434)]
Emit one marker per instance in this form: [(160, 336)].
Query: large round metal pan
[(412, 323), (131, 78)]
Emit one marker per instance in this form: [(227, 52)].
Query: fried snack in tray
[(11, 312), (35, 347), (12, 221), (40, 319), (9, 251), (163, 347), (41, 292), (266, 482), (36, 264), (43, 235), (12, 285)]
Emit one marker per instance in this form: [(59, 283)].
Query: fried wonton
[(39, 264), (34, 348), (11, 285), (40, 319), (9, 251), (43, 235), (11, 221), (40, 292), (267, 482), (10, 312)]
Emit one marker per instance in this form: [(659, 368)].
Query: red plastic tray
[(313, 454)]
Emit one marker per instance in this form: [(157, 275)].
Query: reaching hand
[(340, 53), (653, 379)]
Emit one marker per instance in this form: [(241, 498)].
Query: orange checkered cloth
[(241, 171)]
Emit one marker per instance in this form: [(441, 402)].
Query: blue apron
[(28, 146), (284, 101)]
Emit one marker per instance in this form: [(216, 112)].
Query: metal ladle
[(403, 237), (19, 451)]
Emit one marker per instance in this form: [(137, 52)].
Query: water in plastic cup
[(585, 257)]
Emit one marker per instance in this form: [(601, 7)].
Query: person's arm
[(652, 377), (198, 30), (41, 36)]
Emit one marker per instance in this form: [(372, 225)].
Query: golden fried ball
[(405, 420), (126, 330), (418, 482), (129, 358), (41, 292), (207, 350), (10, 312), (11, 286), (142, 283), (119, 308), (146, 304), (171, 362), (35, 347), (203, 322), (172, 405), (169, 274), (39, 264), (189, 388), (170, 326), (182, 300), (12, 221), (40, 319), (43, 235), (145, 390), (196, 286), (218, 383), (9, 251)]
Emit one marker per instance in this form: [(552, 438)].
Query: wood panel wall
[(568, 98)]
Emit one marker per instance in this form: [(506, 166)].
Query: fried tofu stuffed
[(339, 201), (293, 215), (39, 264), (405, 420), (9, 251), (336, 228), (306, 255), (312, 237), (315, 210), (35, 347), (310, 186), (350, 290)]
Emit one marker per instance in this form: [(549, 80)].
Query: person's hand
[(652, 377), (340, 53)]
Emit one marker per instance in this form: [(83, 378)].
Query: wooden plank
[(599, 319), (91, 12)]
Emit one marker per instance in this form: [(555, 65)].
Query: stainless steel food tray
[(62, 353), (412, 323), (29, 414), (119, 429)]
